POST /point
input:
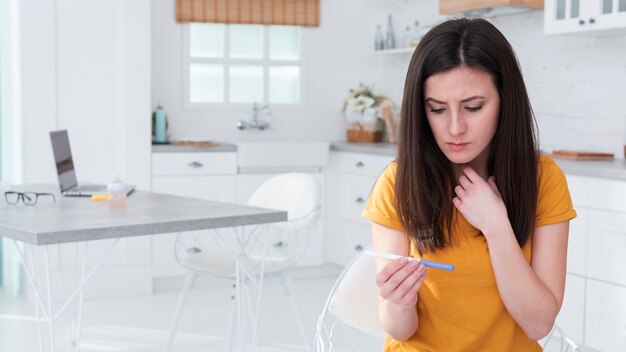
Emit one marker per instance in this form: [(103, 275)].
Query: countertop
[(615, 169), (171, 148)]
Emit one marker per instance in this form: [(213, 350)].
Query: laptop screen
[(63, 159)]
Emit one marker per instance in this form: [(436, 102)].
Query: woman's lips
[(456, 147)]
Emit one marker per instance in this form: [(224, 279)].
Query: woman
[(469, 188)]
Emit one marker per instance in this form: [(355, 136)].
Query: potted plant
[(364, 112)]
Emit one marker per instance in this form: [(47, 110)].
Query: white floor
[(141, 323)]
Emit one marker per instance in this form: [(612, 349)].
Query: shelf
[(399, 51)]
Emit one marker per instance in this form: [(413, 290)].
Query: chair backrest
[(274, 247), (349, 320), (557, 341), (297, 193)]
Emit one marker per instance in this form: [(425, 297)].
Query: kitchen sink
[(281, 156)]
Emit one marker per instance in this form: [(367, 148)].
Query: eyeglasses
[(29, 198)]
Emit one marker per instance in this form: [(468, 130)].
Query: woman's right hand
[(400, 280)]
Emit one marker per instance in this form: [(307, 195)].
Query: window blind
[(267, 12)]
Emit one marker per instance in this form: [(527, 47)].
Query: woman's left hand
[(480, 202)]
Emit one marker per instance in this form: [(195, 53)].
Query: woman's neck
[(479, 164)]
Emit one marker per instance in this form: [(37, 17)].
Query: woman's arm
[(398, 281), (532, 293)]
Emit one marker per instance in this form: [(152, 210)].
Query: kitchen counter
[(365, 148), (170, 148), (615, 169)]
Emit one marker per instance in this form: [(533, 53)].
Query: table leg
[(49, 289), (38, 313)]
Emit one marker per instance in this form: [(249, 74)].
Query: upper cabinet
[(457, 6), (575, 16)]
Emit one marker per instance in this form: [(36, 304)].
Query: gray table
[(80, 219), (76, 219)]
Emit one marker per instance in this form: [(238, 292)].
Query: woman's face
[(462, 107)]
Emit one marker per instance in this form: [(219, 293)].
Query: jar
[(117, 194)]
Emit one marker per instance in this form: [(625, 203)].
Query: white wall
[(576, 82), (335, 62), (87, 69)]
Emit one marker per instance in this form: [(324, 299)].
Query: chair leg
[(296, 310), (191, 277), (231, 324)]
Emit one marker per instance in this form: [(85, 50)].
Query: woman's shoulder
[(547, 165)]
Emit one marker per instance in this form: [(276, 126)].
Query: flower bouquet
[(364, 113)]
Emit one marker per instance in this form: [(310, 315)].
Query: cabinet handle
[(360, 200), (581, 22), (194, 165), (592, 21), (360, 164), (358, 248)]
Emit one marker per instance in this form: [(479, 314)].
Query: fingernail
[(414, 263)]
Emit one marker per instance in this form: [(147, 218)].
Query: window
[(242, 64)]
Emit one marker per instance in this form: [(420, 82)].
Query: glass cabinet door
[(572, 16)]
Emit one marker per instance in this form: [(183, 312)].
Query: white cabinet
[(571, 316), (351, 177), (576, 16), (594, 308), (210, 176), (605, 319)]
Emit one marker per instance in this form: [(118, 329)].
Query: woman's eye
[(436, 111), (473, 108)]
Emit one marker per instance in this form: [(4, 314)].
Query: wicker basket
[(364, 136)]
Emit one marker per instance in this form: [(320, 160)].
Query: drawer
[(605, 319), (175, 164), (357, 237), (363, 164), (356, 191), (606, 246), (571, 317)]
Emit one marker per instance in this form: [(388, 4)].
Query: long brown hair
[(425, 177)]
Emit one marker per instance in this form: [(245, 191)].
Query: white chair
[(250, 255), (349, 319)]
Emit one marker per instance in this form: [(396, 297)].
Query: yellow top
[(462, 310)]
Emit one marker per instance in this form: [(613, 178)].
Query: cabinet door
[(609, 13), (576, 16), (571, 317), (605, 319), (577, 243), (606, 246)]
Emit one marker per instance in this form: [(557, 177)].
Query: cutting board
[(581, 155)]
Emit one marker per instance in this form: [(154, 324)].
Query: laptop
[(65, 169)]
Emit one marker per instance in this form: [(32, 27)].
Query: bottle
[(117, 194), (379, 43), (160, 125), (390, 40), (407, 38)]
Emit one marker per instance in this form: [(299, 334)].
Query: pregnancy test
[(426, 263)]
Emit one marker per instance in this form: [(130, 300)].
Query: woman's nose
[(457, 124)]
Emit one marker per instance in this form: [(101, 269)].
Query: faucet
[(253, 120)]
